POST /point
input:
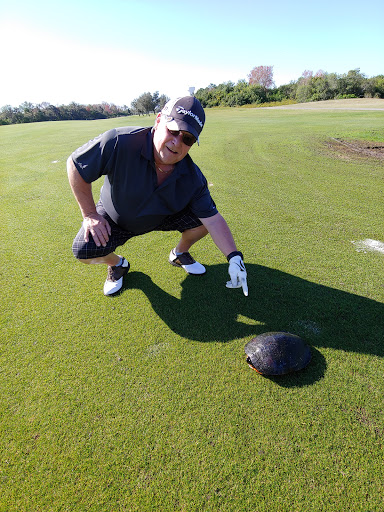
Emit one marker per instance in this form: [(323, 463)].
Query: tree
[(284, 92), (263, 76), (306, 77), (8, 115), (159, 101), (352, 84), (379, 86), (147, 103), (304, 88), (312, 87), (320, 87)]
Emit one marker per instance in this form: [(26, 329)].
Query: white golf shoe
[(185, 261), (114, 280)]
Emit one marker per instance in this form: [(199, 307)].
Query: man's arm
[(220, 233), (222, 236), (93, 223)]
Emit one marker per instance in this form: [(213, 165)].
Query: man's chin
[(170, 159)]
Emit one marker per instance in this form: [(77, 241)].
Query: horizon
[(46, 103)]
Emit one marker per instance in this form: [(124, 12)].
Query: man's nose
[(178, 139)]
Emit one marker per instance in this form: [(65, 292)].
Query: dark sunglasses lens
[(188, 140)]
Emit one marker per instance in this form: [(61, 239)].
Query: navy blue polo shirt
[(130, 193)]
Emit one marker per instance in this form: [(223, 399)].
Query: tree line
[(258, 89), (320, 86), (29, 113)]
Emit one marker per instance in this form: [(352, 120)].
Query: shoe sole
[(185, 270)]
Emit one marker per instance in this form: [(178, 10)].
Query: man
[(151, 183)]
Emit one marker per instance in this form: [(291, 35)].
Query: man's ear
[(158, 119)]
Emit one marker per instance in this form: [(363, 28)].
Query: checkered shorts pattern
[(180, 221)]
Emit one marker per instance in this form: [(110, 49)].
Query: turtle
[(277, 353)]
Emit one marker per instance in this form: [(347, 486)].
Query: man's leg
[(190, 237), (88, 252), (180, 257), (117, 268), (192, 230)]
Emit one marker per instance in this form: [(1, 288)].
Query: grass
[(144, 402)]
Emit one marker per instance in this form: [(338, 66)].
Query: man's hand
[(98, 227), (238, 274), (93, 223)]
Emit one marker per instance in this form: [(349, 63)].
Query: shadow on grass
[(323, 316)]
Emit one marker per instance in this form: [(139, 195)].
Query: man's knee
[(86, 252), (79, 250)]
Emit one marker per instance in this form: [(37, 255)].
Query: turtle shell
[(277, 353)]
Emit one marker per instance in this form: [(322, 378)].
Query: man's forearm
[(220, 233), (81, 190)]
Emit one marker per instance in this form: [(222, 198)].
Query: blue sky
[(102, 50)]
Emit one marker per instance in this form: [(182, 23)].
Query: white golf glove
[(237, 272)]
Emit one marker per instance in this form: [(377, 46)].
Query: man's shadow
[(325, 317)]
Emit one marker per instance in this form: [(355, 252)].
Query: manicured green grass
[(144, 402)]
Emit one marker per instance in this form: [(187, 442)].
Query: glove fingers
[(237, 274), (244, 286)]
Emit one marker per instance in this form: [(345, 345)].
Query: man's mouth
[(173, 152)]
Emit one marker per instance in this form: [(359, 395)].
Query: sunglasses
[(187, 138)]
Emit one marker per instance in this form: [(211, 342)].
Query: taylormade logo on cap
[(181, 110)]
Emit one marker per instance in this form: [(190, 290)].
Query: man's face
[(169, 148)]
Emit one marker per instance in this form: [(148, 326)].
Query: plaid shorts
[(180, 221)]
